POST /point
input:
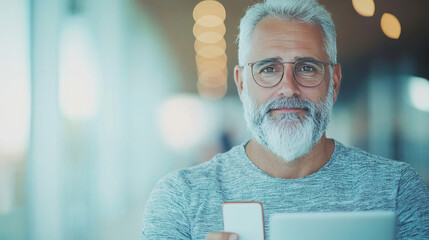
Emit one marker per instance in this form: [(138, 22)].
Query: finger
[(222, 236)]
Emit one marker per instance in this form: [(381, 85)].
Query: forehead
[(287, 40)]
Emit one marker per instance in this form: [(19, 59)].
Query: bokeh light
[(390, 25), (209, 21), (15, 89), (212, 66), (15, 112), (210, 47), (212, 79), (209, 13), (212, 93), (210, 50), (200, 60), (365, 8), (184, 121), (77, 86), (418, 89), (209, 34)]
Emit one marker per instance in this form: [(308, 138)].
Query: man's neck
[(274, 166)]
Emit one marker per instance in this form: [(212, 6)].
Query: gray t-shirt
[(187, 204)]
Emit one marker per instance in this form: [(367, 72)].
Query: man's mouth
[(287, 110)]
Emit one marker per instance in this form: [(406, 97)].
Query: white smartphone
[(245, 219)]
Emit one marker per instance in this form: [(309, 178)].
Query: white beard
[(288, 136)]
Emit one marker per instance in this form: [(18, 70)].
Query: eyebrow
[(267, 60), (280, 59), (305, 58)]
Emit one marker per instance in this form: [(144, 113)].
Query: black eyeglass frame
[(293, 70)]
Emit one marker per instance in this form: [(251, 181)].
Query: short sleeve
[(165, 211), (412, 206)]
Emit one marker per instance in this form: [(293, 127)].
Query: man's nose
[(288, 87)]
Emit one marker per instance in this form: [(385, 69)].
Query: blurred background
[(100, 99)]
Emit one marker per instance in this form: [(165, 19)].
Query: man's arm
[(412, 207), (165, 211)]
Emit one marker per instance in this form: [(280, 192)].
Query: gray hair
[(307, 11)]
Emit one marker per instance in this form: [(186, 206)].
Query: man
[(288, 80)]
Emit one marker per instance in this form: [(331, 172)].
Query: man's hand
[(222, 236)]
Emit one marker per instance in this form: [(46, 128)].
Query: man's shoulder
[(357, 157)]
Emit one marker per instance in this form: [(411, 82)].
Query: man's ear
[(238, 78), (337, 80)]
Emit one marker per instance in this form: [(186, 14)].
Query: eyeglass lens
[(268, 73)]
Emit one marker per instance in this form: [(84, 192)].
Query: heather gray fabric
[(186, 204)]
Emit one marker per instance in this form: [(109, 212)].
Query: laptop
[(371, 225)]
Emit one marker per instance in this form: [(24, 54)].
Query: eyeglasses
[(307, 72)]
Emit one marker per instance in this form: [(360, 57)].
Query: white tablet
[(371, 225)]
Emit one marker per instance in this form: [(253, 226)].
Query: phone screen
[(245, 219)]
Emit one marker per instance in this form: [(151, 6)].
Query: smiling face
[(287, 118)]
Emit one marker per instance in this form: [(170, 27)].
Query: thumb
[(222, 236)]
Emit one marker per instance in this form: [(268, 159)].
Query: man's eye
[(269, 70), (307, 69)]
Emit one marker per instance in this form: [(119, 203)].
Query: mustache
[(286, 102)]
